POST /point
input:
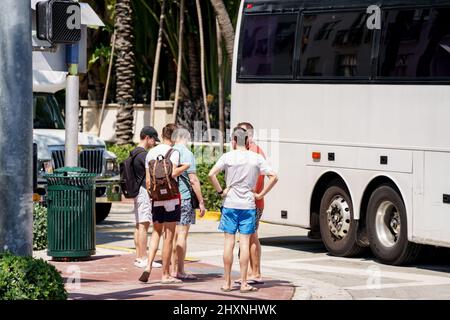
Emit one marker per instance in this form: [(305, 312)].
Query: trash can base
[(61, 255)]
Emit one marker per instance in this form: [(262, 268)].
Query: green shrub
[(39, 227), (213, 201), (122, 152), (25, 278)]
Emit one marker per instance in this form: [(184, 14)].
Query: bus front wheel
[(387, 228), (337, 226)]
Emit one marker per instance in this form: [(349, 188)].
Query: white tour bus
[(359, 92)]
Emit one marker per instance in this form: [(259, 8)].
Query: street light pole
[(16, 128)]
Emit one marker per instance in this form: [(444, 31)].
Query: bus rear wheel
[(387, 228), (337, 226)]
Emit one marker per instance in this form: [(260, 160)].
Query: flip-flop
[(251, 281), (187, 276), (172, 281), (225, 289), (254, 281), (144, 276), (249, 290)]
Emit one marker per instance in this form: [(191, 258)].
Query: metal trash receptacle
[(71, 213)]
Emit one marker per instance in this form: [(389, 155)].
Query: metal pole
[(16, 128), (72, 107)]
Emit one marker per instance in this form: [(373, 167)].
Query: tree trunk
[(202, 68), (194, 68), (226, 27), (180, 61), (221, 97), (125, 66), (156, 64)]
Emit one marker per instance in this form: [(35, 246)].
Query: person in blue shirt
[(188, 183)]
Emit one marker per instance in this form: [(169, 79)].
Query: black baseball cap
[(151, 132)]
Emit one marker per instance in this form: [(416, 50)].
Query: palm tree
[(179, 62), (220, 93), (156, 64), (124, 71), (226, 27), (202, 67)]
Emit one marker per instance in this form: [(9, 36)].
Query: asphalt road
[(288, 255)]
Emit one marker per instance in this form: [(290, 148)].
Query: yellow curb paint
[(209, 215), (190, 259), (117, 248)]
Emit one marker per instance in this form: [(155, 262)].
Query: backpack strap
[(132, 163), (167, 174), (169, 153)]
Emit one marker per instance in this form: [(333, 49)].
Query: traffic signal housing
[(58, 21)]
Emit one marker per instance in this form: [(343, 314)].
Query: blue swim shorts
[(233, 220)]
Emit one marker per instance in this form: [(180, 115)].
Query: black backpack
[(128, 180)]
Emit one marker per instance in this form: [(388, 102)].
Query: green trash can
[(71, 213)]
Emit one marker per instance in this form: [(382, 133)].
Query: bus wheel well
[(319, 190), (363, 238)]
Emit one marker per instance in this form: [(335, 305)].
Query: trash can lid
[(71, 169)]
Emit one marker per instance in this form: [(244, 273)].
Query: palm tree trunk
[(226, 27), (156, 64), (194, 68), (124, 71), (221, 97), (180, 62), (202, 68)]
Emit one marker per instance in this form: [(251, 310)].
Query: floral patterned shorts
[(187, 213)]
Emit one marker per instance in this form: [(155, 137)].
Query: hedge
[(25, 278)]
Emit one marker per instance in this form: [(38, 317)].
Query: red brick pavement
[(115, 277)]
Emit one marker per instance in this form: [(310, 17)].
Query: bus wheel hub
[(338, 215), (388, 224)]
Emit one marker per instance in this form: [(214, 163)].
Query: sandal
[(187, 276), (249, 289), (254, 281), (171, 281), (144, 276), (223, 289)]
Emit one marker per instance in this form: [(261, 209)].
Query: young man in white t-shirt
[(165, 214), (242, 169)]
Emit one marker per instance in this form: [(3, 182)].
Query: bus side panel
[(291, 194), (432, 224)]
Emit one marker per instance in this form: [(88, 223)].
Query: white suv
[(49, 135)]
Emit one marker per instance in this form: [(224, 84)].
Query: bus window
[(336, 44), (416, 44), (267, 46)]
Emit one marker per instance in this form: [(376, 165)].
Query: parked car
[(49, 135)]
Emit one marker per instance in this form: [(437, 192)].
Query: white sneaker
[(156, 264), (140, 263)]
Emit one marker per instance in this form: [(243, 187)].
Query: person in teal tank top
[(187, 183)]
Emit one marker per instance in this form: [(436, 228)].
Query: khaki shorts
[(142, 207)]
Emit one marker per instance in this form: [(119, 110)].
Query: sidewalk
[(111, 275)]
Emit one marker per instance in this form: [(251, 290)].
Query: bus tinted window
[(267, 45), (336, 45), (416, 44)]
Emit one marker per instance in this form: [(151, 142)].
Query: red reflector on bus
[(316, 155), (249, 5)]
